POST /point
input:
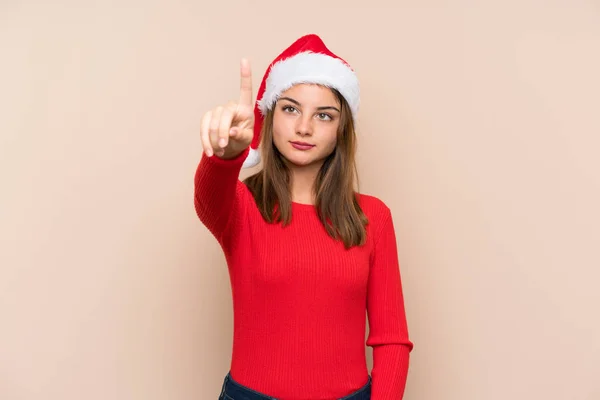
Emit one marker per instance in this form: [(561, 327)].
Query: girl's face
[(305, 124)]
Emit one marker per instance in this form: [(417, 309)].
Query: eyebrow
[(300, 105)]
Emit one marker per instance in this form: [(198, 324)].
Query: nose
[(304, 125)]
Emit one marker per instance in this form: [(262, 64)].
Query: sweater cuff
[(390, 370), (235, 162)]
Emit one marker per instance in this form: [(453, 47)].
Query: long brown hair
[(336, 200)]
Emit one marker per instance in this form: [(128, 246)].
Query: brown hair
[(336, 200)]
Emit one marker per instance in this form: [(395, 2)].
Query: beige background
[(479, 127)]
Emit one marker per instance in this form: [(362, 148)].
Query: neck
[(303, 181)]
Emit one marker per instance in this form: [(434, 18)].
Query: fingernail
[(222, 142), (232, 131), (209, 153)]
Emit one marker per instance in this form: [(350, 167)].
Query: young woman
[(308, 256)]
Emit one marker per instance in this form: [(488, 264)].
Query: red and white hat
[(307, 60)]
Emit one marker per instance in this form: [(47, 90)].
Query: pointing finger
[(245, 83)]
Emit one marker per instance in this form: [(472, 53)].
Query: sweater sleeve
[(219, 195), (388, 332)]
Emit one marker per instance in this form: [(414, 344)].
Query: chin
[(299, 161)]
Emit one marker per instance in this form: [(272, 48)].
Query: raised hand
[(228, 130)]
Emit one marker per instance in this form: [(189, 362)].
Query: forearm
[(390, 370), (215, 191)]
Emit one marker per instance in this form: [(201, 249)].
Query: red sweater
[(300, 300)]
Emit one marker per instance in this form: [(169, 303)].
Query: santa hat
[(307, 60)]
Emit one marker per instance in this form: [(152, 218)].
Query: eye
[(288, 109), (324, 117)]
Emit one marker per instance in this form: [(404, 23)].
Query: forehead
[(311, 94)]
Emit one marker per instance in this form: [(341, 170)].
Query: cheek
[(280, 129), (331, 138)]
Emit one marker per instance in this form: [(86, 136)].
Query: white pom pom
[(252, 159)]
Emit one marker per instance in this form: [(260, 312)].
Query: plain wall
[(479, 127)]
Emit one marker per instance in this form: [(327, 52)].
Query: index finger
[(245, 83)]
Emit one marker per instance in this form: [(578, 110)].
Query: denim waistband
[(233, 390)]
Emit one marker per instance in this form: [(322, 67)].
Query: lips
[(302, 145)]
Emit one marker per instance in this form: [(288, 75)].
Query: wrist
[(230, 154)]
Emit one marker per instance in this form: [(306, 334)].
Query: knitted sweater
[(301, 300)]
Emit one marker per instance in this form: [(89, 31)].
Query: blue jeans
[(234, 391)]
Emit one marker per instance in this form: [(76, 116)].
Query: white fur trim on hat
[(309, 67), (252, 159)]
